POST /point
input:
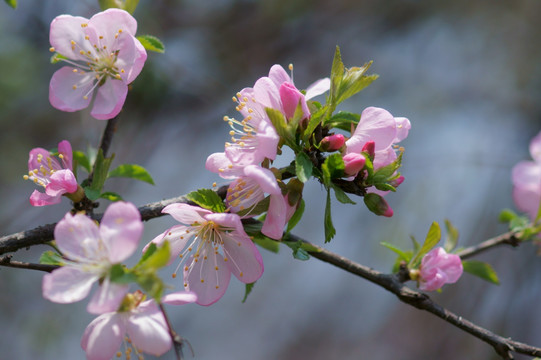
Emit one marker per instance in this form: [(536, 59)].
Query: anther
[(51, 49)]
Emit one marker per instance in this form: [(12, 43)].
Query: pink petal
[(264, 177), (64, 29), (41, 199), (33, 158), (67, 284), (266, 93), (220, 164), (62, 181), (376, 124), (291, 97), (203, 279), (535, 148), (108, 22), (527, 200), (131, 58), (121, 229), (77, 236), (64, 148), (63, 96), (274, 223), (278, 75), (103, 336), (403, 127), (244, 260), (179, 298), (527, 174), (177, 238), (109, 99), (107, 298), (186, 214), (148, 330), (384, 157), (318, 88)]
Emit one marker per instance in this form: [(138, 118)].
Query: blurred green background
[(466, 73)]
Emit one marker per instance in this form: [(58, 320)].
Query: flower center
[(244, 193), (47, 167)]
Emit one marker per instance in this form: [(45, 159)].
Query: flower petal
[(186, 214), (264, 177), (109, 99), (179, 298), (177, 237), (107, 298), (68, 89), (266, 93), (535, 148), (376, 124), (131, 58), (274, 223), (208, 278), (103, 336), (41, 199), (62, 181), (67, 284), (64, 149), (77, 236), (278, 75), (121, 229), (64, 30), (403, 127), (317, 88), (148, 330), (108, 22)]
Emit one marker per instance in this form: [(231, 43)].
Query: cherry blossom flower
[(103, 54), (142, 321), (55, 176), (439, 268), (198, 241), (91, 251), (526, 176), (380, 126)]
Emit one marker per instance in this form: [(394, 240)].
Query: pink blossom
[(103, 53), (380, 126), (142, 321), (55, 176), (91, 251), (332, 142), (353, 163), (439, 268), (198, 241), (526, 176)]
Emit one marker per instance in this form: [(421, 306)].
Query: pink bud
[(370, 148), (353, 163), (291, 97), (439, 268), (332, 142), (377, 204), (399, 180)]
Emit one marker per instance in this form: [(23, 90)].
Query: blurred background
[(466, 73)]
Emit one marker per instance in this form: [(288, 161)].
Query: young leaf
[(432, 238), (279, 122), (151, 43), (337, 72), (296, 217), (303, 167), (12, 3), (111, 196), (79, 158), (132, 171), (207, 199), (158, 258), (120, 275), (298, 252), (401, 254), (330, 231), (452, 236), (506, 215), (128, 5), (481, 269), (49, 257), (343, 120), (333, 168), (248, 290), (101, 168)]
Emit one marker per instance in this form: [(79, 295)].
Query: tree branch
[(6, 261), (509, 238)]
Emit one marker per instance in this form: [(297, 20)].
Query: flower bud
[(291, 97), (439, 268), (332, 142), (370, 148), (399, 180), (353, 163), (378, 205)]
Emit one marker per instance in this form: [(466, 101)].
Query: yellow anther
[(214, 184), (226, 118), (234, 99), (117, 76), (84, 25), (25, 177), (120, 30), (118, 354), (241, 274), (72, 42), (216, 268), (290, 67), (74, 70), (51, 49), (173, 275), (85, 97), (122, 71), (87, 37), (239, 94), (217, 286), (225, 259), (74, 87), (100, 37), (185, 268), (202, 280), (239, 244), (81, 52), (185, 285)]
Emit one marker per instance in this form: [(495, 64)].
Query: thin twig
[(509, 238), (175, 338), (8, 262)]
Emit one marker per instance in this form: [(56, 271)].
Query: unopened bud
[(377, 205), (370, 149), (353, 163), (332, 142), (291, 97), (399, 180)]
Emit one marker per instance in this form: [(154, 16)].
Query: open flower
[(103, 54), (198, 242), (526, 176), (55, 176), (142, 321), (91, 251), (439, 268)]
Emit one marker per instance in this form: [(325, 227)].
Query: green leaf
[(376, 204), (248, 290), (452, 236), (101, 168), (128, 5), (333, 168), (296, 217), (298, 252), (481, 269), (120, 275), (330, 231), (315, 120), (111, 196), (49, 257), (12, 3), (158, 258), (151, 283), (151, 249), (79, 158), (354, 81), (343, 120), (266, 242), (432, 238), (207, 199), (151, 43), (341, 195), (337, 72), (132, 171), (507, 215), (401, 254), (279, 122), (303, 167)]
